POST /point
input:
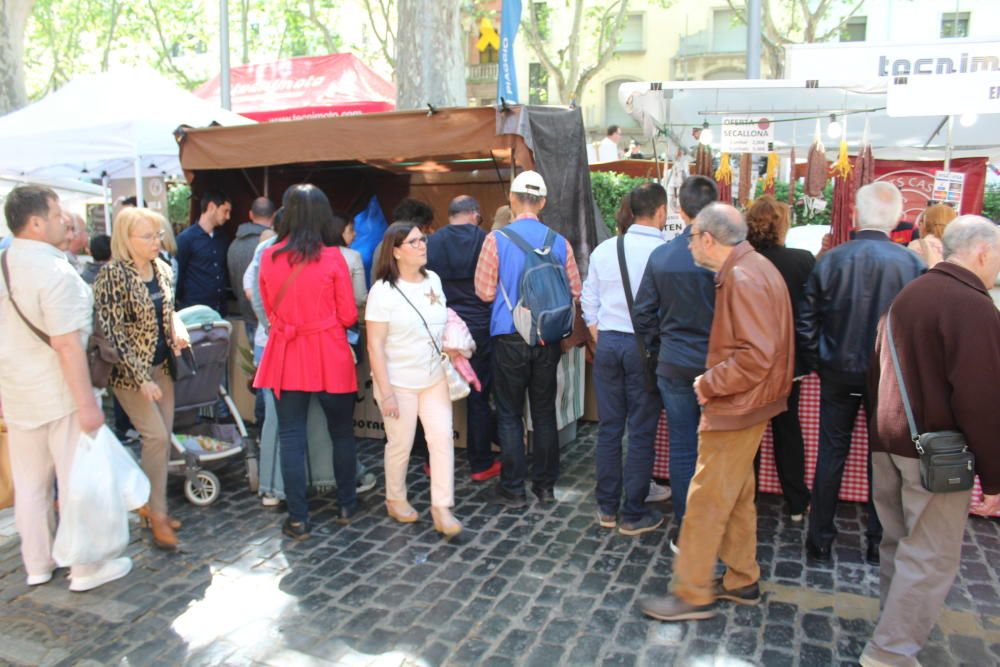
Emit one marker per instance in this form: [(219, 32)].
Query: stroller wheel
[(253, 475), (203, 490)]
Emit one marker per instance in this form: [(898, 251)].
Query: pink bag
[(458, 343)]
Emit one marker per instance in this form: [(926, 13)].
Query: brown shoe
[(672, 608), (748, 595), (143, 512), (401, 511), (444, 522), (164, 537)]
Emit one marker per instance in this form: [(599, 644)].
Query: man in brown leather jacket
[(750, 364)]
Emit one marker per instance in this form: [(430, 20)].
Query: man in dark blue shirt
[(673, 312), (452, 253), (201, 256)]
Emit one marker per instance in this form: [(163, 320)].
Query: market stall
[(432, 157)]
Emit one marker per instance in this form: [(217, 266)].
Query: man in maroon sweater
[(947, 336)]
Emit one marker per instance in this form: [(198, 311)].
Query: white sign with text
[(746, 134)]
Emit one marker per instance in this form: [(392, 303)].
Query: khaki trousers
[(920, 553), (154, 422), (433, 406), (721, 519)]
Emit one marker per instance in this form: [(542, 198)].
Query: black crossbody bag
[(946, 464), (648, 359)]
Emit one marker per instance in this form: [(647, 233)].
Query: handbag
[(183, 365), (458, 388), (101, 354), (946, 464), (649, 360)]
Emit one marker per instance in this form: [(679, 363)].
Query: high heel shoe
[(401, 511), (444, 522), (164, 537), (143, 512)]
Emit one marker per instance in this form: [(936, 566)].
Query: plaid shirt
[(489, 265)]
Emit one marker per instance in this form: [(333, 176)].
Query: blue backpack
[(544, 311)]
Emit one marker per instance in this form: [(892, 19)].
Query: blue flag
[(510, 21)]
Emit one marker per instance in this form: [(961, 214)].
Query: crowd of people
[(717, 327)]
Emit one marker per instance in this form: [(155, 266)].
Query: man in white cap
[(520, 367)]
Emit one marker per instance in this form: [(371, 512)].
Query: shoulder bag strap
[(914, 434), (287, 284), (421, 316), (6, 278), (627, 284)]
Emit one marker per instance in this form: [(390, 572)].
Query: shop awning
[(338, 84)]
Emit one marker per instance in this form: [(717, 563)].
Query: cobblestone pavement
[(528, 587)]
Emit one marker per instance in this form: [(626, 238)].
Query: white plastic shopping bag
[(104, 483)]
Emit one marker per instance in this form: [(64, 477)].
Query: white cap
[(529, 183)]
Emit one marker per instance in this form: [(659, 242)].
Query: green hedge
[(609, 188), (991, 202)]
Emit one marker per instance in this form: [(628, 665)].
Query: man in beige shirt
[(45, 388)]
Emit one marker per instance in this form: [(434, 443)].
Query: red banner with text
[(916, 181)]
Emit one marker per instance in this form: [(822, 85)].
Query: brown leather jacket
[(751, 349)]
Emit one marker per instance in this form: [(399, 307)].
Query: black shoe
[(818, 554), (508, 498), (651, 520), (297, 530), (872, 555), (546, 498), (348, 514), (748, 595)]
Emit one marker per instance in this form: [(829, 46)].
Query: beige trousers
[(433, 406), (721, 519), (35, 456), (154, 422)]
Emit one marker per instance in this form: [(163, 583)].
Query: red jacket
[(307, 349)]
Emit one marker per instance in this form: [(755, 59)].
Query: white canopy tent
[(794, 106), (102, 126)]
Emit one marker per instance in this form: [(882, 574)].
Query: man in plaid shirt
[(517, 366)]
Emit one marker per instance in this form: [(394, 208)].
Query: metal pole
[(137, 173), (106, 184), (753, 39), (224, 53), (947, 155)]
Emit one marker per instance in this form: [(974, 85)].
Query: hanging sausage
[(746, 179)]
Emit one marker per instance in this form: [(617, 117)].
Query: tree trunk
[(13, 19), (430, 54)]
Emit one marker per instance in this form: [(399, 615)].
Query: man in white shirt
[(45, 386), (624, 381), (607, 150)]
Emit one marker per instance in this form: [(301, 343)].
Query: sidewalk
[(518, 587)]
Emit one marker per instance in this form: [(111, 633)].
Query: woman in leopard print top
[(134, 299)]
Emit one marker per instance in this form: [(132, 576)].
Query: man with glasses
[(201, 256), (751, 355), (673, 313), (519, 368), (453, 253)]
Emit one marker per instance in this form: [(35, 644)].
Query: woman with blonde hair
[(134, 302), (932, 224)]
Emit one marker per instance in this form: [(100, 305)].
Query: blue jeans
[(258, 402), (293, 409), (683, 415), (622, 398), (480, 427)]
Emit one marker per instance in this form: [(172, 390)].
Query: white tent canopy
[(108, 123), (679, 106)]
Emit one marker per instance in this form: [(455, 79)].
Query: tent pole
[(106, 183), (947, 155), (137, 170), (267, 181)]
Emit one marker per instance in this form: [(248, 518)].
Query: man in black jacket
[(846, 294), (453, 253), (673, 313)]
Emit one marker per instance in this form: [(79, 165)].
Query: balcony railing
[(481, 72), (701, 43)]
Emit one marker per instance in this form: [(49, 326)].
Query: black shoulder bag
[(946, 464), (649, 360)]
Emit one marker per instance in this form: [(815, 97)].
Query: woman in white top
[(405, 319)]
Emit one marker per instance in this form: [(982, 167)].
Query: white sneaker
[(366, 482), (108, 571), (269, 500), (657, 493), (39, 579)]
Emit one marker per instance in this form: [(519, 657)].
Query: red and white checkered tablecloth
[(855, 484)]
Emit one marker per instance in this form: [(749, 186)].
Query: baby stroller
[(199, 446)]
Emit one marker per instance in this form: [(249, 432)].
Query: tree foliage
[(13, 19), (609, 187), (796, 22)]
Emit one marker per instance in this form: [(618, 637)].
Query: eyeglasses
[(417, 242), (149, 238), (691, 237)]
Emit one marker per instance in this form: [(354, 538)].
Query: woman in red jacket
[(306, 288)]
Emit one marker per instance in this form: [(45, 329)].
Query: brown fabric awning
[(399, 141)]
